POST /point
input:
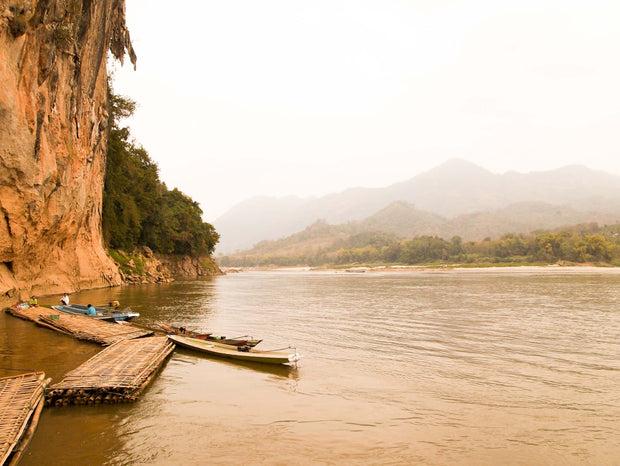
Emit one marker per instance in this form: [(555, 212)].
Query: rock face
[(53, 139), (143, 266), (190, 267)]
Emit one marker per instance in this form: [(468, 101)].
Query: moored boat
[(244, 340), (103, 313), (243, 353)]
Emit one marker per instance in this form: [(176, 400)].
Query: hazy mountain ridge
[(452, 190)]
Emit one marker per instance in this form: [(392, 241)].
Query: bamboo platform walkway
[(117, 374), (21, 402), (80, 327)]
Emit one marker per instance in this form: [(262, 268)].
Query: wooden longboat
[(244, 340), (236, 352), (113, 315)]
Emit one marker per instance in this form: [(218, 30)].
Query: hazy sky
[(241, 98)]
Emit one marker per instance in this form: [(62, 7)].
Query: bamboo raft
[(31, 313), (80, 327), (118, 374), (21, 402)]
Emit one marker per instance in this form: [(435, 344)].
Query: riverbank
[(589, 267)]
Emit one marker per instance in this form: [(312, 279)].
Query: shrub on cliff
[(138, 208)]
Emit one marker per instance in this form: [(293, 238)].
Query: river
[(495, 366)]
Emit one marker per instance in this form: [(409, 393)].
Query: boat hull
[(233, 352)]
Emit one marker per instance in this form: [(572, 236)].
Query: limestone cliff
[(53, 139)]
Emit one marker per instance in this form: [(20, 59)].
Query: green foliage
[(138, 208), (130, 264), (118, 257), (65, 29), (63, 35)]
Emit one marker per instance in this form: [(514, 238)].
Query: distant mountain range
[(455, 198)]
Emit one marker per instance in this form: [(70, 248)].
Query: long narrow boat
[(243, 353), (103, 313), (244, 340)]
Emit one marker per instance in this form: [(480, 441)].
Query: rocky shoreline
[(141, 267), (145, 266)]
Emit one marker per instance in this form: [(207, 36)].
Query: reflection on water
[(469, 367)]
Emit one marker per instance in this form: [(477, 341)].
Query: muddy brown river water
[(497, 366)]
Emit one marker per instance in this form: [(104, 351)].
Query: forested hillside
[(328, 245), (138, 208)]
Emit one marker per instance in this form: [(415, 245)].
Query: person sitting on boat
[(33, 301), (65, 299), (90, 310)]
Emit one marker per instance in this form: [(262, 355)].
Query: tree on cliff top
[(138, 208)]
